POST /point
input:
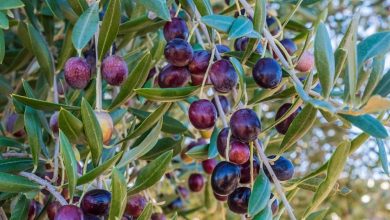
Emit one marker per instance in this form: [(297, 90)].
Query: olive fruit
[(52, 209), (178, 52), (238, 200), (69, 212), (11, 124), (195, 182), (199, 62), (225, 178), (223, 76), (173, 76), (77, 72), (96, 202), (54, 123), (135, 205), (267, 73), (245, 125), (114, 70), (239, 152), (176, 28), (282, 167), (202, 114), (209, 165), (225, 104), (305, 63), (245, 170), (283, 126), (106, 125)]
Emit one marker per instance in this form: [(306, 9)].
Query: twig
[(278, 186), (56, 153), (47, 185)]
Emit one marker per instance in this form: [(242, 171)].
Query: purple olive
[(114, 70), (239, 199), (223, 76), (239, 152), (52, 209), (173, 77), (135, 205), (54, 123), (225, 178), (283, 126), (202, 114), (305, 63), (282, 167), (10, 126), (77, 72), (241, 44), (96, 202), (225, 104), (245, 170), (178, 52), (69, 212), (199, 62), (176, 28), (245, 125), (209, 165), (196, 182), (267, 73)]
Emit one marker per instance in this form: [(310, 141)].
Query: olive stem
[(46, 184), (220, 110), (56, 153), (278, 186), (251, 163)]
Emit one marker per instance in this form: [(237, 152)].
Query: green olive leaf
[(16, 184), (167, 94), (119, 196), (78, 6), (70, 163), (260, 195), (86, 26), (21, 208)]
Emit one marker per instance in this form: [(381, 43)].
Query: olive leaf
[(368, 124), (260, 195), (241, 27), (21, 208), (92, 131), (42, 105), (159, 7), (119, 197), (218, 22), (213, 150), (383, 155), (383, 87), (70, 163), (71, 126), (110, 27), (86, 26), (151, 173), (16, 184), (335, 167), (78, 6), (147, 212), (34, 132), (167, 94), (199, 152), (11, 4)]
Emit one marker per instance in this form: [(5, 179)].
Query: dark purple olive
[(178, 52), (283, 126), (197, 80), (175, 204), (239, 152), (54, 123), (62, 87), (225, 178), (96, 202), (69, 212), (272, 25), (220, 198), (267, 73), (200, 62), (222, 141), (10, 126), (77, 72), (173, 77), (176, 28), (195, 182), (240, 44), (282, 167), (202, 114), (223, 76), (152, 73), (239, 199), (114, 70), (289, 45), (225, 104), (91, 217), (158, 216), (221, 48), (209, 165), (274, 205), (245, 125), (135, 205), (52, 209), (245, 170), (33, 209), (183, 192)]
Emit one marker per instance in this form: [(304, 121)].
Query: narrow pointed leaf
[(160, 7), (167, 94), (86, 26), (34, 132), (14, 165), (299, 127), (92, 131), (368, 124), (240, 27), (378, 66), (21, 208), (78, 6), (260, 195), (11, 4), (110, 27), (383, 155), (324, 59), (147, 212), (219, 22), (119, 196), (213, 150), (94, 173), (383, 87), (265, 214), (42, 105), (70, 163), (376, 44), (144, 147), (335, 167), (71, 126), (151, 173), (16, 184)]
